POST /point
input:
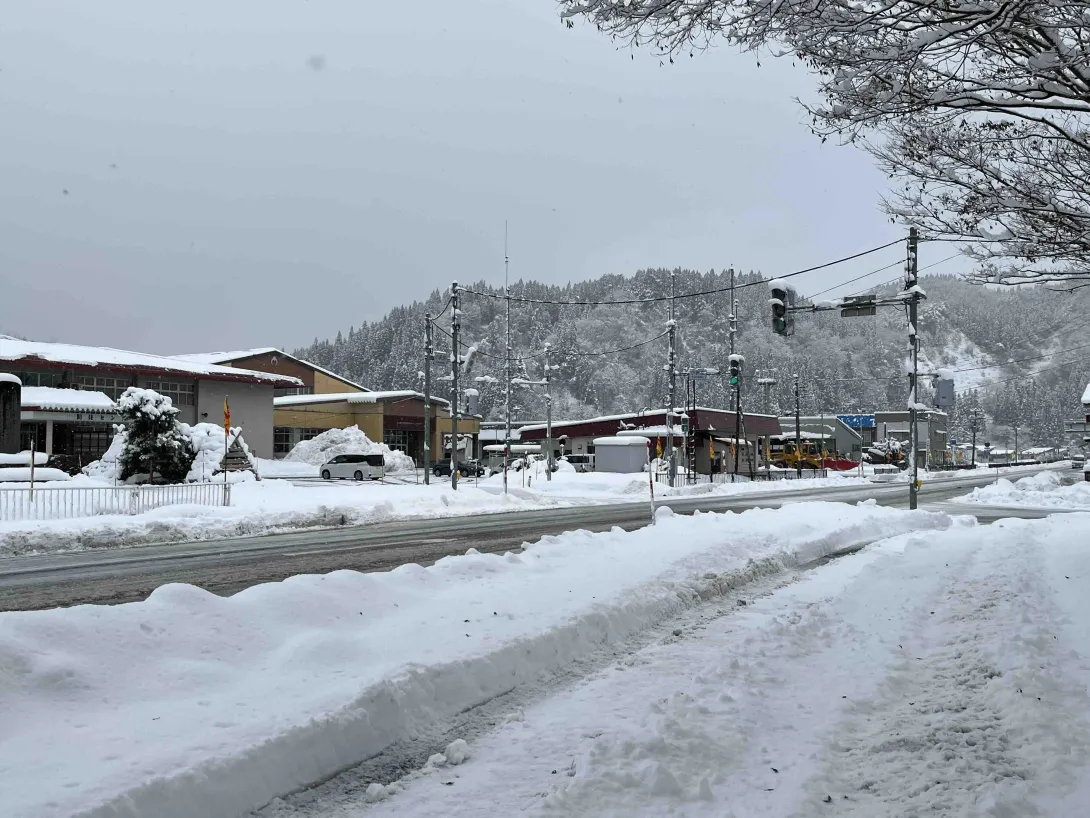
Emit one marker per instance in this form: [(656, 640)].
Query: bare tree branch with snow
[(980, 109)]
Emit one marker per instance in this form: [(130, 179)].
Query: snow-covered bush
[(323, 448), (154, 443)]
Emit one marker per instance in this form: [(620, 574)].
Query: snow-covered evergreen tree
[(155, 445)]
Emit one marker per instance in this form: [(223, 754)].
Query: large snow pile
[(323, 448), (194, 704), (1042, 490), (108, 468)]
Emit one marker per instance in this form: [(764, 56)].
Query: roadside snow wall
[(323, 448), (194, 704)]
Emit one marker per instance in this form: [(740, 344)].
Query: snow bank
[(23, 459), (193, 704), (18, 474), (263, 507), (323, 448), (1042, 490)]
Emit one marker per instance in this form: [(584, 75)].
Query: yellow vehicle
[(783, 453)]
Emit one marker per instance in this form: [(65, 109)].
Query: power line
[(881, 270), (558, 351), (659, 298)]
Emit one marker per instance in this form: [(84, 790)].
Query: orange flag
[(226, 416)]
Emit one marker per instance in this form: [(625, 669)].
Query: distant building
[(863, 424), (712, 433), (828, 431), (69, 394), (931, 433)]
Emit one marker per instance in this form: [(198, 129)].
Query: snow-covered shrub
[(154, 443), (323, 448)]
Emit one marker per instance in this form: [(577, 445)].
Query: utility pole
[(507, 420), (455, 332), (766, 384), (671, 367), (548, 414), (798, 431), (914, 378), (429, 353), (737, 381)]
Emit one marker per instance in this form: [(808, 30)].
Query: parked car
[(1078, 460), (466, 468), (354, 467)]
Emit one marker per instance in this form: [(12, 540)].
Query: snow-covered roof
[(14, 349), (7, 377), (352, 397), (620, 441), (652, 431), (66, 400), (240, 354)]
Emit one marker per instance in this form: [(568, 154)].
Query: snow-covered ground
[(1042, 490), (192, 704), (937, 674)]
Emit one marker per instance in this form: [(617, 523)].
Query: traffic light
[(736, 362), (779, 301)]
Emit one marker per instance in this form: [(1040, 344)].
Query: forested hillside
[(845, 365)]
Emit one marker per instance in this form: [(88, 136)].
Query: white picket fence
[(64, 503)]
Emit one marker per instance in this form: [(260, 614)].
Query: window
[(309, 434), (180, 393), (373, 460), (294, 390), (397, 439), (282, 439), (40, 378), (113, 388)]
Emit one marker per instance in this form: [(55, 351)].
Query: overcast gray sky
[(245, 173)]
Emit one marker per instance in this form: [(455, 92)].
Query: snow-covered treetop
[(146, 402)]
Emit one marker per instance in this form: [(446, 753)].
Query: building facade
[(828, 432), (932, 439), (396, 418), (69, 394)]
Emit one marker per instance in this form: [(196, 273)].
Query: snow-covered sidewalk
[(937, 674), (191, 704)]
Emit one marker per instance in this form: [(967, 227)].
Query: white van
[(354, 467)]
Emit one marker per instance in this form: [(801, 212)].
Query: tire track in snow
[(966, 724)]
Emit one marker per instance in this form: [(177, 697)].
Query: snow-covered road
[(937, 673)]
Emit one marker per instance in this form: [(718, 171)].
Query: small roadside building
[(621, 455)]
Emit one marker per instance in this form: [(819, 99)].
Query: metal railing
[(728, 477), (66, 503)]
